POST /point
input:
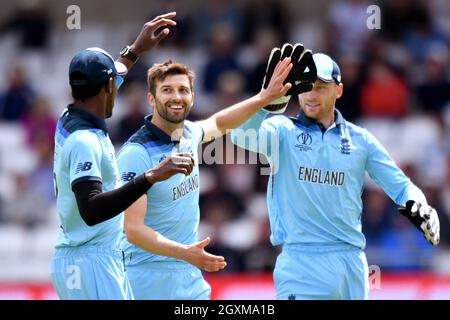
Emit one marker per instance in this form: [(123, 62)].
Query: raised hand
[(147, 39), (302, 76), (276, 87)]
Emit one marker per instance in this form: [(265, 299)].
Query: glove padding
[(425, 218), (302, 76)]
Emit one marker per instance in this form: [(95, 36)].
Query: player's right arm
[(133, 159)]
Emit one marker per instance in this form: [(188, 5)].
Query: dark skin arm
[(96, 206), (147, 39)]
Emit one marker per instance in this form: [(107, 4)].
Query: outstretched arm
[(148, 239), (413, 204), (232, 117)]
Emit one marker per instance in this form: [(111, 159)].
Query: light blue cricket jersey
[(173, 204), (314, 191), (83, 151)]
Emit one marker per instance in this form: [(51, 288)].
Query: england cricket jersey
[(314, 191), (84, 152), (173, 204)]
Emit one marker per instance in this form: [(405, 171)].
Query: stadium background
[(396, 84)]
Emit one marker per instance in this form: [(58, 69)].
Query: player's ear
[(340, 90), (193, 99), (150, 99)]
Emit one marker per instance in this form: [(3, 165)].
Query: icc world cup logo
[(304, 139)]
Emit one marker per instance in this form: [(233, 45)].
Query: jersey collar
[(307, 122), (159, 133), (87, 118)]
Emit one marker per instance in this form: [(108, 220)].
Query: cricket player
[(162, 223), (88, 262), (318, 163)]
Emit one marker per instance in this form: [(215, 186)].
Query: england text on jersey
[(185, 187), (314, 175)]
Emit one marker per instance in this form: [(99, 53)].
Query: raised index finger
[(163, 22), (166, 15)]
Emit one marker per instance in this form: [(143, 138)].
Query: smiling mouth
[(175, 107), (312, 106)]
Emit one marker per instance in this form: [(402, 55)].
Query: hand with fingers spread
[(277, 87), (173, 164), (424, 218), (147, 39), (196, 255), (302, 76)]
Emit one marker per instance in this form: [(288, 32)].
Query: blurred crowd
[(396, 84)]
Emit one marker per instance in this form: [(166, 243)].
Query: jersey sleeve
[(84, 155), (259, 134), (383, 170), (197, 132), (133, 160)]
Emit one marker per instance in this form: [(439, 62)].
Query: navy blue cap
[(95, 66), (327, 69)]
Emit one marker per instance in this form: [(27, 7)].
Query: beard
[(171, 116)]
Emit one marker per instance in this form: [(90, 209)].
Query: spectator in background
[(384, 93), (222, 56), (16, 99), (422, 37), (230, 88), (264, 40), (216, 12), (32, 24), (353, 72), (433, 90), (264, 14), (33, 194), (348, 24), (39, 123), (219, 209), (378, 212), (134, 112), (399, 16)]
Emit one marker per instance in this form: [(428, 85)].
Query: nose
[(309, 95), (176, 95)]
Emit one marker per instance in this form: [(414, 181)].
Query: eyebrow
[(169, 86)]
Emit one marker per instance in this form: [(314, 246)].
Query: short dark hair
[(81, 92), (159, 71)]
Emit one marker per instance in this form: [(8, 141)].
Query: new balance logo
[(128, 176), (86, 166)]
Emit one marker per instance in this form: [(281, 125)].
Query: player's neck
[(92, 105), (327, 120), (175, 130)]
